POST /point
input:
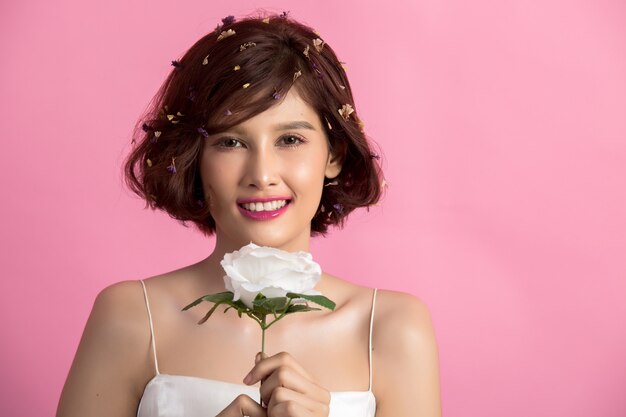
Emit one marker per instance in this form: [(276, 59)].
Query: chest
[(333, 347)]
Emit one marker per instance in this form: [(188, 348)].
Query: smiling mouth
[(266, 206)]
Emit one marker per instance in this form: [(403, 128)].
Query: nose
[(262, 170)]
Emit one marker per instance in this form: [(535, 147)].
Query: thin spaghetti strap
[(145, 295), (370, 346)]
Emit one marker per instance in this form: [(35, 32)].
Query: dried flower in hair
[(266, 20), (343, 87), (157, 134), (246, 85), (205, 61), (338, 207), (306, 52), (176, 64), (275, 95), (149, 162), (345, 111), (361, 124), (322, 208), (328, 123), (203, 132), (246, 45), (228, 112), (343, 65), (318, 44), (228, 20), (200, 203), (237, 68), (333, 182), (284, 15), (296, 75), (226, 34), (172, 168), (319, 73), (191, 94), (374, 156), (383, 184), (146, 127)]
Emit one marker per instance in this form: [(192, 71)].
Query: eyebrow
[(300, 124)]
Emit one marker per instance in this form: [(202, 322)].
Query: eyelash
[(220, 143)]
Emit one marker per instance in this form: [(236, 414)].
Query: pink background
[(503, 126)]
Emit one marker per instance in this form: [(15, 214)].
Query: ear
[(333, 166)]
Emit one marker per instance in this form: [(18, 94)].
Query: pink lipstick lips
[(265, 214)]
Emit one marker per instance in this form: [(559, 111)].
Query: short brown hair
[(204, 95)]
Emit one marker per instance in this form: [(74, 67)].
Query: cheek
[(307, 175), (213, 183)]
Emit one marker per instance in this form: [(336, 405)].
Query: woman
[(254, 138)]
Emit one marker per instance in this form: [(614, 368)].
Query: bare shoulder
[(402, 316), (121, 300), (407, 360), (108, 370)]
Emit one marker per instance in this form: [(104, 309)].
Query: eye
[(229, 143), (292, 140)]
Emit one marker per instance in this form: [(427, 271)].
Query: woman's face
[(250, 170)]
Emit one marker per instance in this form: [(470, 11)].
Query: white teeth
[(267, 206)]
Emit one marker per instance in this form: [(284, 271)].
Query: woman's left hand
[(287, 389)]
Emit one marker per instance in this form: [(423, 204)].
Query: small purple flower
[(200, 203), (284, 14), (153, 139), (176, 64), (191, 95), (172, 168), (319, 73), (146, 127), (228, 20), (275, 95), (375, 156), (338, 207), (228, 112), (203, 132)]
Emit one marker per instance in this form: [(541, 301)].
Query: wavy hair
[(204, 95)]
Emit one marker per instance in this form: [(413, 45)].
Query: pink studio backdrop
[(503, 129)]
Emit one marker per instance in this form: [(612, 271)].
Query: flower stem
[(262, 350)]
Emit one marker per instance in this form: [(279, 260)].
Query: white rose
[(273, 272)]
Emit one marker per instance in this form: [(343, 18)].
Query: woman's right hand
[(241, 406)]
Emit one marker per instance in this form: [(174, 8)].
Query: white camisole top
[(168, 395)]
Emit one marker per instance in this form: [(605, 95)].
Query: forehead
[(289, 109)]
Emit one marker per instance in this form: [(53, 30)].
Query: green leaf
[(219, 297), (213, 298), (272, 304), (195, 303), (207, 315), (296, 308), (317, 299)]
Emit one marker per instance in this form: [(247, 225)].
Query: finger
[(290, 409), (243, 405), (285, 395), (288, 378), (265, 367)]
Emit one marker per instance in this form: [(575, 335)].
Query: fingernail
[(257, 358), (247, 379)]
